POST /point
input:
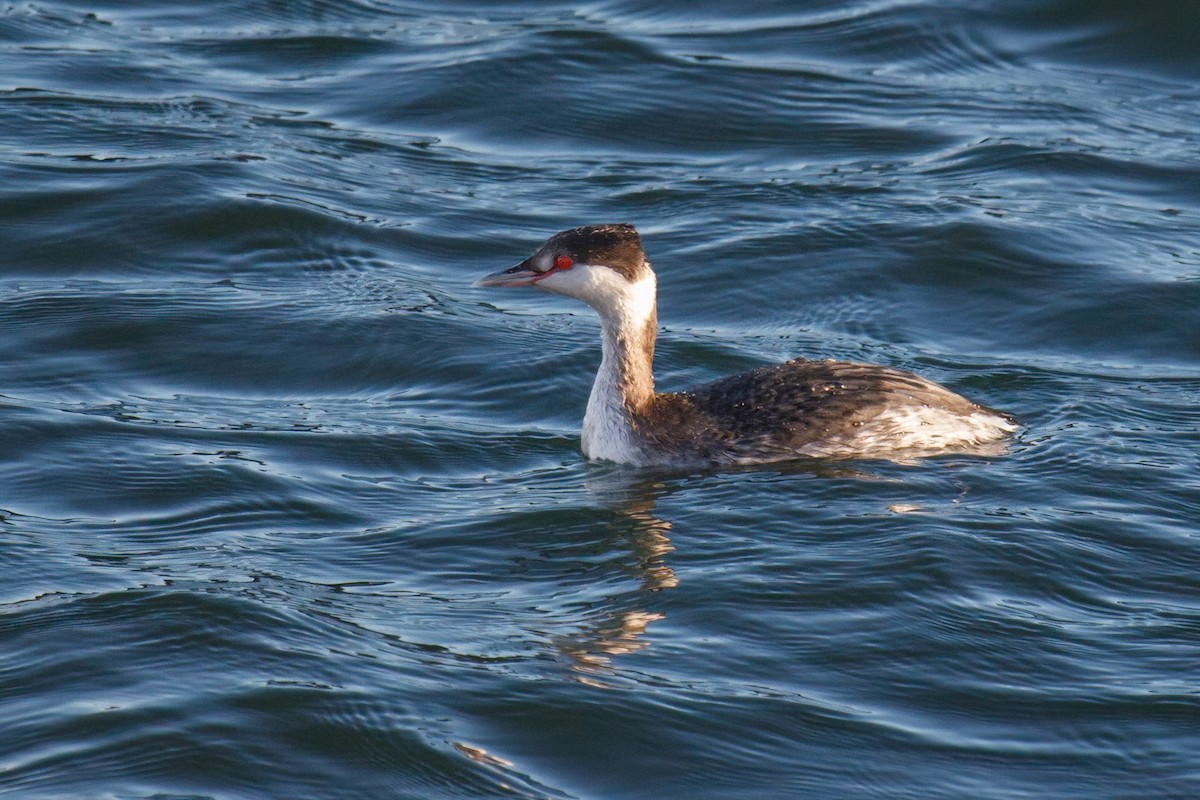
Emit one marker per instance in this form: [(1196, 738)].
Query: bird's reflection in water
[(632, 495), (621, 629)]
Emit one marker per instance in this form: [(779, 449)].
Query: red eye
[(563, 262)]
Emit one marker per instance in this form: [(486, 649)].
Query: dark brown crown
[(615, 246)]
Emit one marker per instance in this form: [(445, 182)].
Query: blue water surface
[(288, 509)]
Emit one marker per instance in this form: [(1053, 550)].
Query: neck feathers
[(633, 354), (624, 385), (630, 328)]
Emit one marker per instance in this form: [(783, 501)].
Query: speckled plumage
[(816, 408), (800, 408)]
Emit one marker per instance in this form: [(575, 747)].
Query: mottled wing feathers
[(776, 411)]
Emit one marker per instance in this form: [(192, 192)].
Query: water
[(290, 510)]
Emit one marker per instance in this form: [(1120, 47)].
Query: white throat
[(627, 319)]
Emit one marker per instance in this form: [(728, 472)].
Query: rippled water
[(290, 510)]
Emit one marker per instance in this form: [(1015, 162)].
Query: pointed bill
[(520, 275)]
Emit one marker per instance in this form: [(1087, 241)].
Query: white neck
[(625, 381)]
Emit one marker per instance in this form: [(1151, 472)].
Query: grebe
[(800, 408)]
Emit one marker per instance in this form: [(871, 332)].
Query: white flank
[(913, 428)]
